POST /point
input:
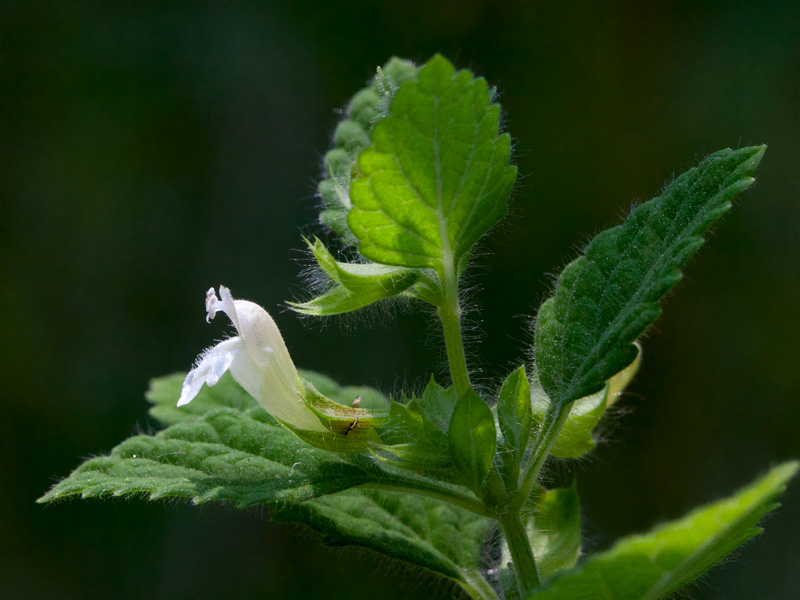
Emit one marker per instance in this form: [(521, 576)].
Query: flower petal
[(212, 365)]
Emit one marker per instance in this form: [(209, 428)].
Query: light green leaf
[(514, 418), (365, 109), (436, 176), (473, 439), (354, 285), (345, 394), (223, 448), (555, 531), (421, 531), (605, 299), (576, 438), (415, 436), (654, 565)]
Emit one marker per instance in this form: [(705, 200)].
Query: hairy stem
[(450, 315), (521, 552), (553, 421), (477, 587)]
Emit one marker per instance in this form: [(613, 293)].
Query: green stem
[(553, 421), (476, 586), (521, 553), (450, 315)]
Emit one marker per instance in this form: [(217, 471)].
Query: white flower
[(257, 358)]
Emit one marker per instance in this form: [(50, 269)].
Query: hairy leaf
[(236, 452), (606, 298), (355, 285), (654, 565), (436, 176), (417, 530), (415, 436)]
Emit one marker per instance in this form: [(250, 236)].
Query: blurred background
[(151, 150)]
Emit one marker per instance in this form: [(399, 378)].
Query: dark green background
[(152, 150)]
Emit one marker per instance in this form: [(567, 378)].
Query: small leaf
[(514, 418), (437, 404), (421, 531), (473, 439), (607, 298), (654, 565), (576, 438), (355, 285), (436, 176), (555, 531), (415, 436)]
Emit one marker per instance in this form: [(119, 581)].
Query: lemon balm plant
[(450, 479)]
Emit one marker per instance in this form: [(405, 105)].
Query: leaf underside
[(656, 564), (417, 530), (605, 299)]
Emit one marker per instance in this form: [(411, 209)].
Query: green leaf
[(576, 437), (223, 448), (555, 531), (345, 394), (366, 108), (654, 565), (415, 436), (354, 285), (514, 418), (436, 176), (473, 439), (425, 532), (605, 299)]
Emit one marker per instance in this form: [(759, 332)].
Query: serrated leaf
[(415, 436), (576, 437), (473, 439), (421, 531), (365, 109), (241, 455), (436, 176), (514, 419), (354, 285), (605, 299), (654, 565)]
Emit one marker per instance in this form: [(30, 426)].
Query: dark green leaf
[(473, 439), (420, 531), (655, 565), (605, 299), (436, 176)]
